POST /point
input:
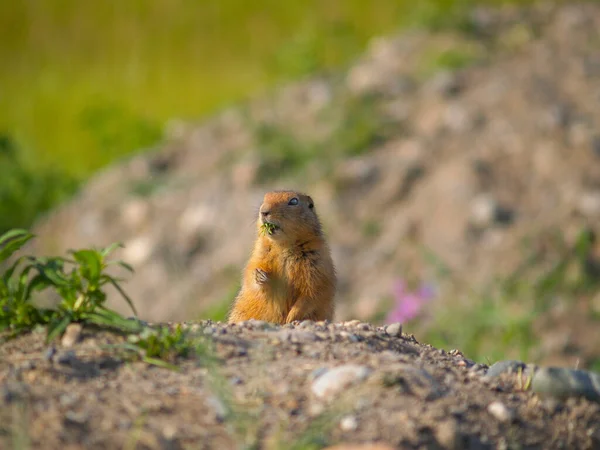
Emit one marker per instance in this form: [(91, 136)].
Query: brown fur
[(290, 275)]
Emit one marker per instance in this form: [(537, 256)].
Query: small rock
[(304, 337), (49, 353), (253, 323), (350, 336), (483, 209), (297, 336), (500, 411), (169, 432), (71, 335), (67, 358), (589, 204), (562, 383), (394, 329), (76, 418), (306, 324), (171, 390), (26, 365), (349, 423), (337, 379), (217, 406), (352, 323), (507, 366), (67, 400), (448, 436)]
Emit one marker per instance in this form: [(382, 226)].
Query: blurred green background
[(83, 84)]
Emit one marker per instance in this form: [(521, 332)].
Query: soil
[(261, 394)]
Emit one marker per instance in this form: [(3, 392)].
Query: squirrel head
[(287, 216)]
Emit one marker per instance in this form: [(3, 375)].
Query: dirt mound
[(300, 386), (463, 143)]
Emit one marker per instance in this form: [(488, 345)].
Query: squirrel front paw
[(261, 276)]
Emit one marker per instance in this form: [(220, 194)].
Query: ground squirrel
[(290, 275)]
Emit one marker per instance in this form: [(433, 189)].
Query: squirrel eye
[(293, 201)]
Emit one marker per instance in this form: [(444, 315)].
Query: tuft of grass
[(162, 346)]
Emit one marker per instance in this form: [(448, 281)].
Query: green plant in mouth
[(267, 228), (80, 283)]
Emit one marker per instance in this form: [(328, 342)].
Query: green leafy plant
[(80, 283)]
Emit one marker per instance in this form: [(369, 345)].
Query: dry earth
[(380, 388)]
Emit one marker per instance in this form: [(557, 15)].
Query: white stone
[(337, 379)]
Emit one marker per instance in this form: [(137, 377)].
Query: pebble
[(71, 335), (448, 436), (66, 358), (350, 336), (500, 411), (297, 336), (337, 379), (217, 406), (68, 399), (306, 324), (169, 432), (394, 329), (26, 365), (507, 366), (49, 353), (562, 383), (304, 336), (76, 418), (349, 423), (253, 323)]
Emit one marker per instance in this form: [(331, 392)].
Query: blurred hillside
[(460, 162)]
